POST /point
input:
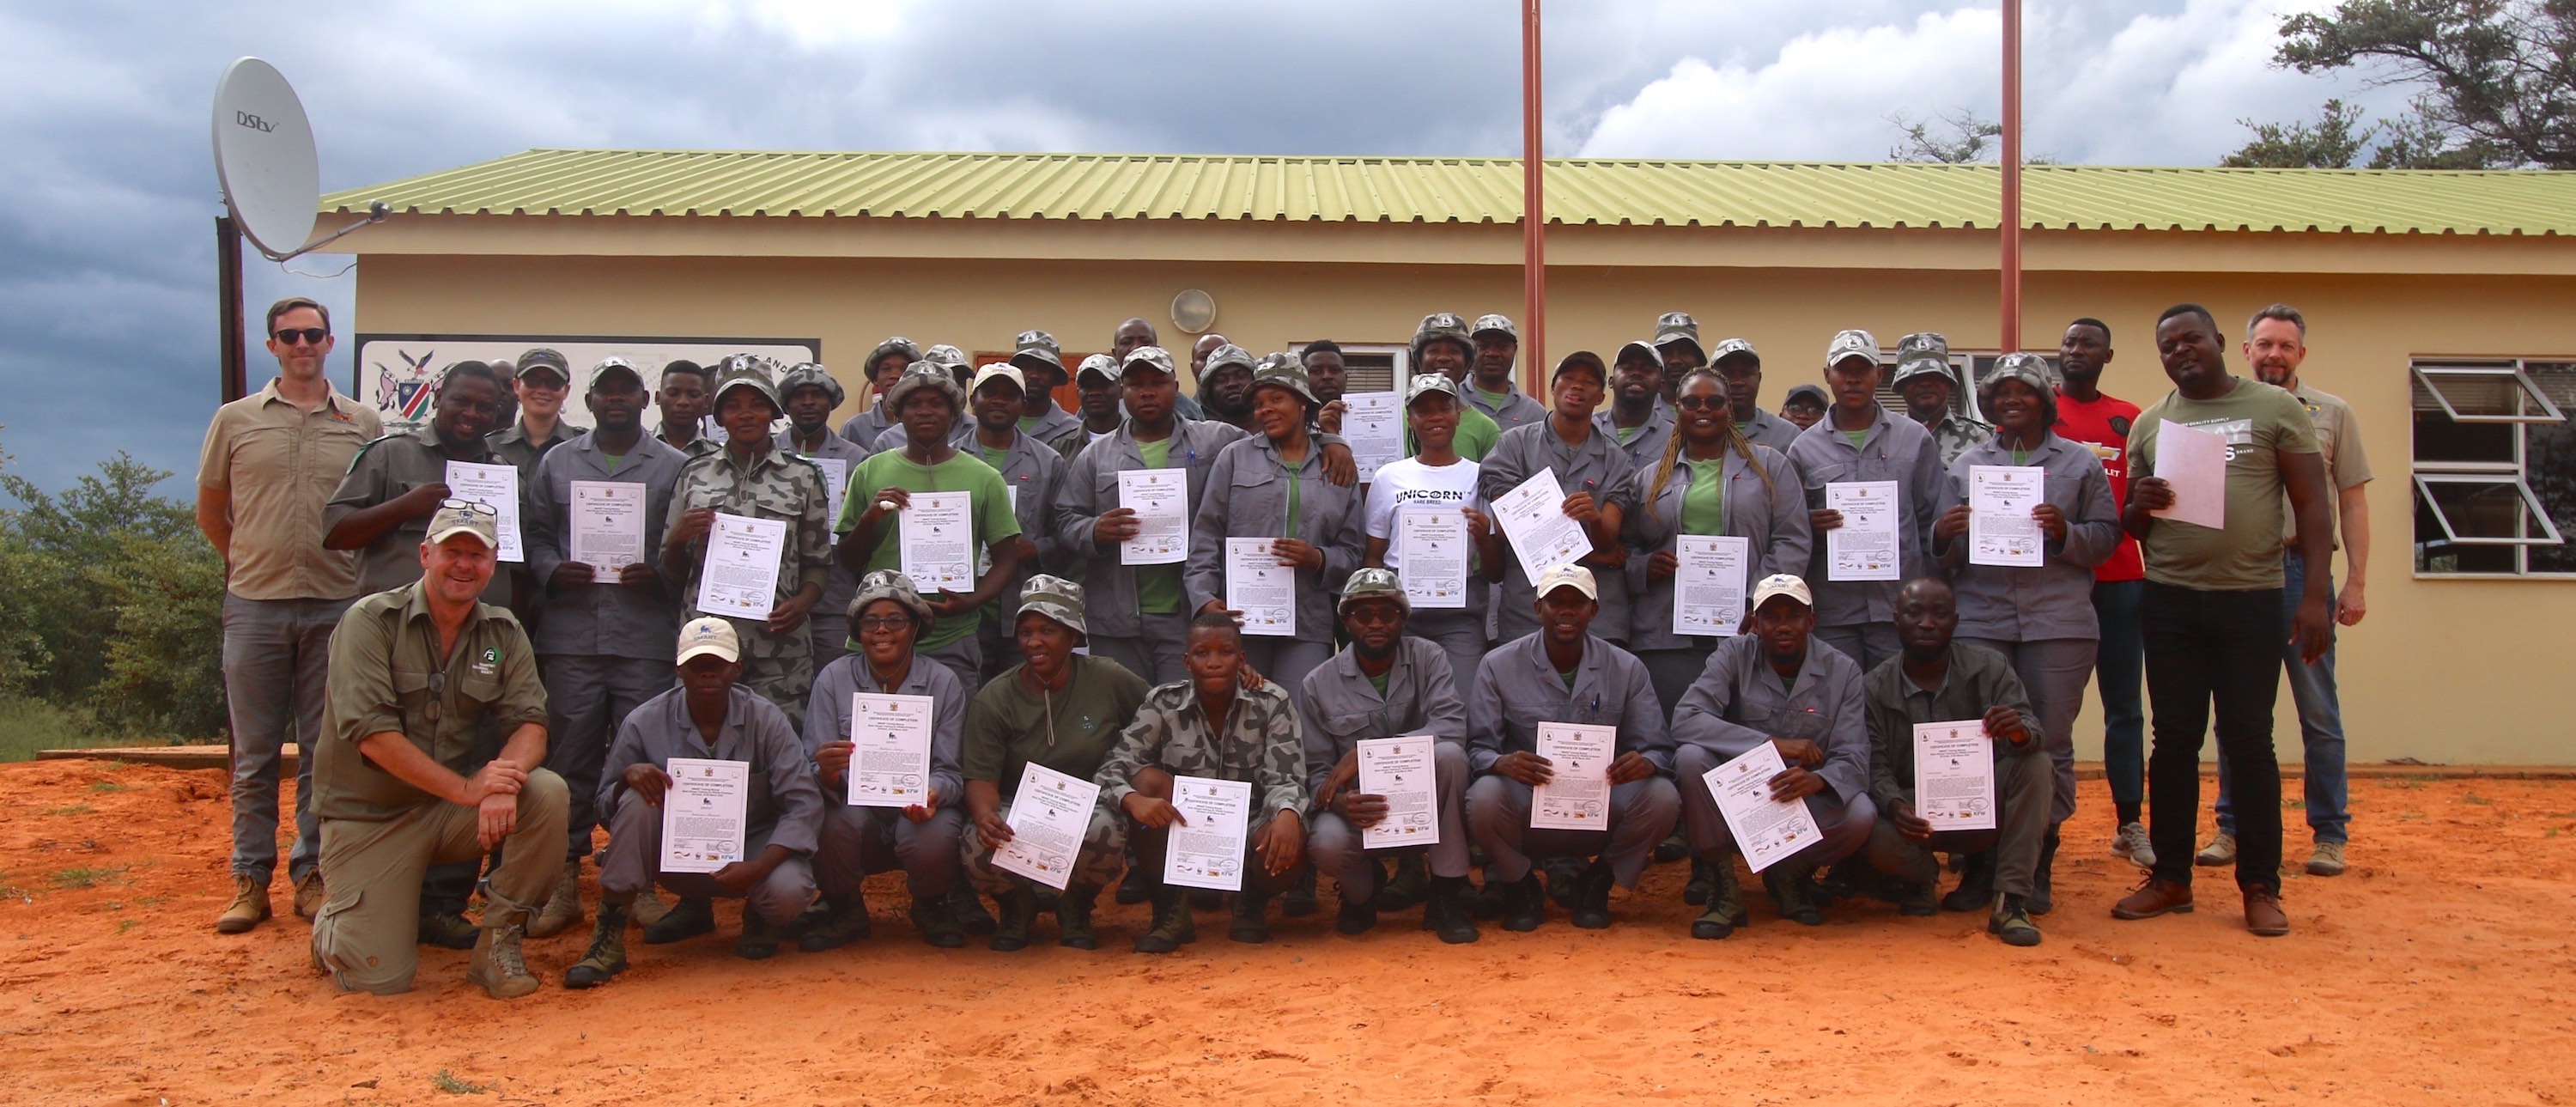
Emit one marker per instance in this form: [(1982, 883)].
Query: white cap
[(1570, 576), (1782, 584), (709, 635), (999, 371)]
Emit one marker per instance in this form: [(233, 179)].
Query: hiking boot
[(249, 907), (1673, 849), (1411, 882), (498, 964), (2221, 850), (1206, 899), (2041, 901), (309, 894), (2132, 844), (1136, 887), (1300, 900), (2263, 914), (688, 920), (449, 930), (1976, 890), (1564, 881), (968, 909), (2011, 922), (757, 942), (1794, 894), (607, 954), (1592, 907), (1073, 917), (1703, 883), (1172, 926), (1250, 926), (1492, 901), (2154, 897), (563, 908), (1524, 903), (1725, 905), (1361, 917), (1920, 901), (1445, 912), (840, 920), (2326, 861), (940, 927), (648, 909), (1011, 931), (1843, 880)]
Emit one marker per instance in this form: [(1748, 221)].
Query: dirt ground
[(2439, 968)]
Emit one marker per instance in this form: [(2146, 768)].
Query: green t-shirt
[(1704, 502), (989, 515), (992, 456), (1158, 587), (1494, 399), (1857, 437), (1030, 422), (2261, 423), (1568, 677), (1477, 433), (1378, 681), (1071, 731), (1627, 435), (614, 460), (2020, 457)]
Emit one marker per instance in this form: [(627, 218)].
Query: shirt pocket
[(1257, 501), (414, 693)]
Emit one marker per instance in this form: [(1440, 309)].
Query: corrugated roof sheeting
[(1476, 190)]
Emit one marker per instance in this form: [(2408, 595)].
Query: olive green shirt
[(1008, 726), (2261, 424), (386, 676)]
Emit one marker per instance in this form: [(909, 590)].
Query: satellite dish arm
[(377, 212)]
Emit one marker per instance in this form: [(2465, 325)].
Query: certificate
[(890, 754), (496, 485), (1708, 584), (1373, 427), (1577, 793), (1542, 534), (2000, 529), (1864, 547), (1048, 816), (1160, 499), (1954, 775), (1257, 585), (1766, 830), (2194, 462), (1207, 850), (740, 575), (836, 481), (702, 814), (1399, 771), (1431, 550), (607, 519), (936, 540)]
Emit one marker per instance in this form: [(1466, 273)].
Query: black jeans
[(2205, 649)]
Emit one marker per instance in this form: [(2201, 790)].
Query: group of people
[(470, 721)]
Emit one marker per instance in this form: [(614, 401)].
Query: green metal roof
[(1476, 190)]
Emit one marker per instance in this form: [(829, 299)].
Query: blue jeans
[(2312, 687), (2119, 672)]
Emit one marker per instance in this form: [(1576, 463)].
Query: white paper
[(1049, 814), (1434, 545), (1257, 585), (1865, 546), (836, 480), (1577, 793), (1208, 850), (740, 576), (1708, 584), (606, 525), (890, 758), (702, 814), (2000, 529), (1766, 830), (1160, 498), (497, 485), (1373, 427), (935, 538), (2194, 462), (1954, 775), (1400, 771), (1533, 517)]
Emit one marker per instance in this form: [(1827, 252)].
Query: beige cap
[(998, 371), (1569, 576), (1782, 584), (455, 517), (709, 635)]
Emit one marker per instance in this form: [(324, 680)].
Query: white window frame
[(2430, 375), (1400, 355), (2497, 476), (2515, 472)]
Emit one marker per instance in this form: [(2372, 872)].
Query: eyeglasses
[(1700, 403), (304, 336), (476, 506), (886, 622)]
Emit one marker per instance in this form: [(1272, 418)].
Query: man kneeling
[(708, 716)]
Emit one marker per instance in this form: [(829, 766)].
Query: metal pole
[(228, 305), (2010, 332), (1533, 355)]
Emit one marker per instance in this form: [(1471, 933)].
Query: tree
[(2329, 143), (2498, 76), (1964, 138)]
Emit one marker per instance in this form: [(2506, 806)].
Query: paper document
[(1048, 816), (2194, 462), (1209, 850), (1954, 775), (740, 575), (1577, 793), (702, 814), (1533, 518), (1865, 546), (497, 485), (937, 542), (1766, 830), (1160, 498), (890, 758), (1399, 771), (1708, 585), (836, 481), (1373, 427), (1257, 585), (2000, 529), (607, 526), (1431, 547)]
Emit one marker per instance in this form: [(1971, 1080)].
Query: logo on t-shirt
[(2120, 425)]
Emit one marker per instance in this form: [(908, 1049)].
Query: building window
[(2494, 467), (1369, 366)]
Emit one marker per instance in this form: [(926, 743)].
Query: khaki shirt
[(386, 676), (2339, 441), (390, 467), (279, 463)]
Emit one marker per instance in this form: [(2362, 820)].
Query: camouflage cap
[(888, 584), (1151, 357), (807, 374), (709, 635), (1733, 347), (898, 344), (608, 365), (2030, 369), (1442, 326), (455, 516), (1678, 326), (1286, 372), (1921, 353), (1098, 365), (1228, 354), (1851, 344), (1365, 583), (1495, 324), (929, 372), (1054, 597), (1036, 348), (944, 354), (744, 371), (1424, 384)]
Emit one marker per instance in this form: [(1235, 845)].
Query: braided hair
[(1734, 438)]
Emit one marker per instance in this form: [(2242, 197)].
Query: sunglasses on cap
[(476, 506), (301, 336)]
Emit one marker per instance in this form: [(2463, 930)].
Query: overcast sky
[(107, 287)]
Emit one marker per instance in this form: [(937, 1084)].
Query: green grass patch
[(106, 786), (2476, 800), (28, 725), (70, 880), (453, 1084), (71, 809)]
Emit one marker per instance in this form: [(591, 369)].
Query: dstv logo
[(246, 119)]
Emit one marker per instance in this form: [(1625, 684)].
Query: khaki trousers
[(368, 931)]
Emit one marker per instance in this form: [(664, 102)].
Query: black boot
[(1300, 902), (1019, 913), (1445, 912), (1137, 886), (1524, 904), (1172, 926), (1976, 890), (1251, 918), (2038, 901), (968, 909), (1357, 918), (1412, 876), (1073, 917), (1703, 883), (1592, 897), (1793, 889)]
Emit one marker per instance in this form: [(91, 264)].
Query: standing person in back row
[(1494, 390), (1599, 485), (2276, 342), (271, 460), (543, 382), (1442, 345), (1041, 365), (1924, 379), (810, 393), (2091, 418), (884, 365), (2212, 612), (1740, 367), (1859, 440)]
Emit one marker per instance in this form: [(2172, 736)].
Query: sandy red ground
[(2438, 970)]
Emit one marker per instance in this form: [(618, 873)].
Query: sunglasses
[(886, 622), (1700, 403), (476, 506), (304, 336)]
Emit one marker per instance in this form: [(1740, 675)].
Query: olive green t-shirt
[(2261, 424), (990, 515), (1475, 437), (1071, 731)]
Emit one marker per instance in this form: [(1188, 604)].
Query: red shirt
[(2104, 425)]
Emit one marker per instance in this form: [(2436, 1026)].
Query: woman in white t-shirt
[(1433, 478)]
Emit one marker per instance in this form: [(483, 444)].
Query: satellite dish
[(1194, 311), (264, 158)]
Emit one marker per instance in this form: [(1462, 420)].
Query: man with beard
[(1923, 378), (883, 366), (1495, 392), (1740, 367), (1677, 346), (1225, 386), (810, 393), (1640, 417), (2100, 422)]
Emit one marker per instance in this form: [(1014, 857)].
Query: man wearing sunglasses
[(270, 463)]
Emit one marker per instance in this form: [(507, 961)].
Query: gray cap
[(1678, 326), (545, 359), (1640, 349), (744, 371), (1228, 354), (1850, 344), (1365, 583), (946, 355), (1814, 392), (926, 373), (1733, 347), (810, 373), (1424, 384), (1495, 324), (1038, 348), (1919, 354), (2030, 369), (455, 516), (898, 344), (1055, 597), (1099, 365), (887, 584), (1439, 326), (1281, 371), (1151, 357), (608, 365)]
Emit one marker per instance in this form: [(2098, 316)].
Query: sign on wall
[(398, 373)]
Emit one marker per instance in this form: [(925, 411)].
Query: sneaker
[(2221, 850), (449, 930), (2011, 922), (2326, 861), (309, 895), (2132, 844), (248, 909), (498, 964), (563, 908), (2263, 914)]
